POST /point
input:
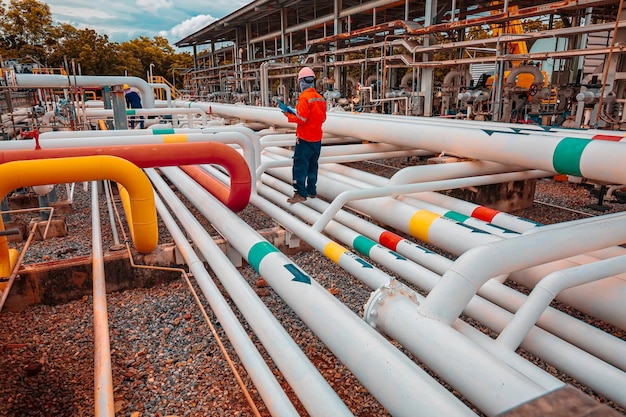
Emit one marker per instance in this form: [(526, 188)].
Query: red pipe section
[(235, 197)]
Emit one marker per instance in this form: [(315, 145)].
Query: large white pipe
[(592, 159), (456, 239), (63, 81), (397, 382), (426, 280), (579, 333)]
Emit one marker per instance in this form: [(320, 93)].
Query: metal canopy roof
[(306, 20)]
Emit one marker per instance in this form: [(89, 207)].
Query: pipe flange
[(383, 295)]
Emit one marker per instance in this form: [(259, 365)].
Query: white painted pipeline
[(103, 372), (592, 159), (499, 218), (396, 381), (578, 364), (475, 267), (456, 239), (189, 113), (544, 292), (429, 173), (168, 92), (419, 277), (289, 358), (343, 153), (442, 232), (62, 81), (581, 334), (411, 272), (408, 269)]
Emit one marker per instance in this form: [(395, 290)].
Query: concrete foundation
[(59, 282), (565, 402)]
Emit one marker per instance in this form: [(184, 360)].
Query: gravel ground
[(166, 361)]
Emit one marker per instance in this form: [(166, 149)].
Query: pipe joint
[(385, 295)]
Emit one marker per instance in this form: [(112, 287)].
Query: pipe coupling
[(384, 295)]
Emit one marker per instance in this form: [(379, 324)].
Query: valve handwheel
[(533, 89)]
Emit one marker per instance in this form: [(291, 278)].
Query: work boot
[(297, 198)]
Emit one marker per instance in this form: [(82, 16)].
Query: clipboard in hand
[(285, 108)]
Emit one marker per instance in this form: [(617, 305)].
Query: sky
[(123, 20)]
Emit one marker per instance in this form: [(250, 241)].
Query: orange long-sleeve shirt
[(310, 115)]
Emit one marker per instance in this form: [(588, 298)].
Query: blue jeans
[(305, 164)]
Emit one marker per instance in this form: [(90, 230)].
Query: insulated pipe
[(351, 339), (264, 380), (60, 170), (61, 81), (595, 160), (544, 292), (103, 371), (472, 269), (235, 197)]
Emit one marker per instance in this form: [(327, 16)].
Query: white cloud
[(154, 5), (189, 26)]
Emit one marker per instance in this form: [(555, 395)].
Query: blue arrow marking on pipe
[(298, 276), (472, 228), (397, 255), (504, 229), (362, 262)]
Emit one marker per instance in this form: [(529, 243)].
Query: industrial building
[(555, 63)]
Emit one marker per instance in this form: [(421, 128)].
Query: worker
[(309, 115), (133, 101)]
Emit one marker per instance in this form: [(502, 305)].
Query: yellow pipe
[(86, 168)]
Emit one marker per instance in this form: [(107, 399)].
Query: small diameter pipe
[(544, 292), (103, 377), (107, 187)]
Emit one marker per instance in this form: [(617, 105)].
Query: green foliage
[(28, 32)]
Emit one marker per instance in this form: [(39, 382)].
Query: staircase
[(160, 93)]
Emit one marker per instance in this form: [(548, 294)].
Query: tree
[(24, 28), (92, 53)]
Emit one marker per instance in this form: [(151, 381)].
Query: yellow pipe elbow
[(89, 168)]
